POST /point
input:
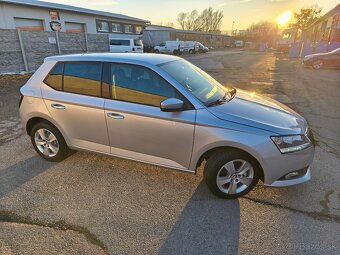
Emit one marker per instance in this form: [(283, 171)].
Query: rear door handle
[(58, 106), (115, 115)]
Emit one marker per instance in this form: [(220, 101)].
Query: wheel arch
[(36, 119), (211, 151)]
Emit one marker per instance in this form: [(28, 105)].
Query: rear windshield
[(119, 42), (138, 42)]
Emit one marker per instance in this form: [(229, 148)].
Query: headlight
[(291, 143)]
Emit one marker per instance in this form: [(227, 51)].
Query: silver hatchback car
[(165, 111)]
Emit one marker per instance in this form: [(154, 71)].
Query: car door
[(137, 128), (73, 98)]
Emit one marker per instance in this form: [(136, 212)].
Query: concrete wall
[(38, 45), (10, 52)]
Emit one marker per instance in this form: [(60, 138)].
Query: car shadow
[(16, 175), (203, 215)]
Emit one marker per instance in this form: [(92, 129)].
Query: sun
[(284, 18)]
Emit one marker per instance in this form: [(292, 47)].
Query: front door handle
[(58, 106), (115, 116)]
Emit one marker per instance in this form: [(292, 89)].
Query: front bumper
[(284, 183)]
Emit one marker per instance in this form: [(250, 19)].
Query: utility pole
[(232, 28)]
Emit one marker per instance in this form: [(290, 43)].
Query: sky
[(242, 12)]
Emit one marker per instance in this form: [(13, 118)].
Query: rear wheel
[(157, 51), (191, 51), (48, 142), (317, 64), (231, 174)]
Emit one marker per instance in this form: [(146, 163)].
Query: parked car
[(239, 44), (170, 47), (202, 48), (191, 47), (321, 60), (123, 45), (163, 110)]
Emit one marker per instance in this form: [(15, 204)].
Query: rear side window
[(83, 78), (118, 42), (55, 78)]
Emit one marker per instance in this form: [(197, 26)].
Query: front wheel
[(48, 142), (231, 174), (317, 64)]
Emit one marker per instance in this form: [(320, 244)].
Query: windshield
[(199, 83)]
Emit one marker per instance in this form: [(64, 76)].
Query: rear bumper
[(291, 182)]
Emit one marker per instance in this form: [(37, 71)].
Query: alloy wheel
[(46, 142), (235, 176)]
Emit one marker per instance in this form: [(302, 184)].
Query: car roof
[(141, 58)]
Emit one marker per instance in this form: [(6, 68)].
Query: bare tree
[(263, 31), (181, 19), (208, 20), (305, 17)]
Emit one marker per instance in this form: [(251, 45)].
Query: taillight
[(20, 100), (133, 49)]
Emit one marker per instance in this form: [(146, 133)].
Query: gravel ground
[(95, 204)]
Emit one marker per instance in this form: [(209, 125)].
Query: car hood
[(260, 112)]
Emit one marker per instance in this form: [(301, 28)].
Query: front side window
[(128, 29), (139, 85), (103, 26), (55, 78), (116, 27), (199, 83), (83, 78)]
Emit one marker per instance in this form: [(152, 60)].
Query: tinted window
[(55, 78), (120, 42), (83, 78), (139, 85)]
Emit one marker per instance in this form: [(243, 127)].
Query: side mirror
[(172, 105)]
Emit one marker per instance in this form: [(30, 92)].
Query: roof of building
[(72, 8), (136, 58)]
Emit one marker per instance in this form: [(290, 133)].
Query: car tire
[(49, 142), (176, 52), (191, 51), (317, 64), (157, 51), (231, 174)]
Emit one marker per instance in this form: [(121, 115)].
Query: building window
[(116, 27), (139, 30), (29, 24), (72, 27), (128, 29), (103, 26)]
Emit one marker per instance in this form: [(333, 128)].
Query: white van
[(191, 47), (126, 45), (239, 44), (171, 47)]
